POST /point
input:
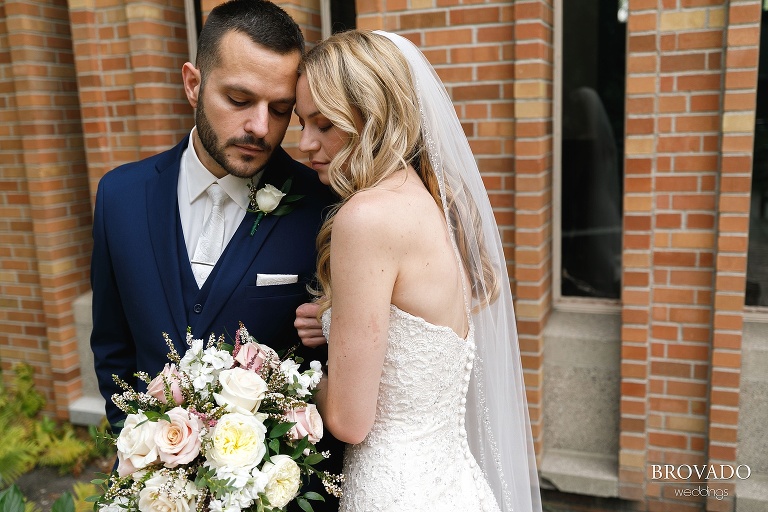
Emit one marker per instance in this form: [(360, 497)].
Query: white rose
[(164, 493), (237, 440), (268, 198), (136, 447), (284, 480), (241, 390)]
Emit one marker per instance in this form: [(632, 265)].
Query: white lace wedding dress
[(416, 457)]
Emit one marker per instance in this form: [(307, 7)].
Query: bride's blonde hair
[(365, 74)]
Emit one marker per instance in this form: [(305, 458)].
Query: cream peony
[(268, 198), (172, 377), (241, 390), (178, 442), (167, 493), (237, 440), (136, 448), (308, 423), (284, 480)]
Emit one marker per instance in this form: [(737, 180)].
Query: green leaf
[(310, 495), (305, 505), (274, 446), (282, 210), (286, 186), (280, 430), (156, 416), (65, 503), (314, 458), (300, 447), (292, 198), (12, 500)]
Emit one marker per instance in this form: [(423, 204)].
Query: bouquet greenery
[(225, 428)]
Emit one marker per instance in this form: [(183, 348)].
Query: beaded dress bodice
[(416, 456)]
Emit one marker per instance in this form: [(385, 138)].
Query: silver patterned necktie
[(211, 241)]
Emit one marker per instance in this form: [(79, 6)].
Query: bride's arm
[(364, 261)]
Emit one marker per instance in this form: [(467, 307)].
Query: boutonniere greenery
[(269, 200)]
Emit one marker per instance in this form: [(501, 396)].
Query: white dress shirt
[(195, 204)]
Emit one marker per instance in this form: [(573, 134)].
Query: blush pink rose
[(172, 376), (178, 442), (253, 356), (308, 423)]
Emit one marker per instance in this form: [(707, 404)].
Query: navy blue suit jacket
[(140, 271)]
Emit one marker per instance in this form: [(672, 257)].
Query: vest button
[(198, 308)]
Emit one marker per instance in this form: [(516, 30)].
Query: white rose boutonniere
[(269, 200)]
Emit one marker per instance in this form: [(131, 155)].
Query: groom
[(173, 244)]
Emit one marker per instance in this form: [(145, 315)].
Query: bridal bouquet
[(223, 429)]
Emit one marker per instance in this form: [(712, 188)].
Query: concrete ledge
[(581, 473), (752, 494), (87, 410)]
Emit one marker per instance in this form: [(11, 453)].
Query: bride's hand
[(309, 328)]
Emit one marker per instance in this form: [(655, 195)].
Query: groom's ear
[(192, 80)]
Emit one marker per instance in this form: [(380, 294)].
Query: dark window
[(593, 77), (343, 15), (757, 257)]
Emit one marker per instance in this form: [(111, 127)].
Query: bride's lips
[(318, 165)]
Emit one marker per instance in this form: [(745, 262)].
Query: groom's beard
[(210, 141)]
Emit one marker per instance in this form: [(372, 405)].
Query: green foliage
[(31, 439), (12, 500), (27, 399), (81, 492), (64, 451)]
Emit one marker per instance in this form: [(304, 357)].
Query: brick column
[(742, 43), (45, 199), (533, 140), (128, 56), (684, 205)]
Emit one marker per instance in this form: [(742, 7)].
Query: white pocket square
[(273, 279)]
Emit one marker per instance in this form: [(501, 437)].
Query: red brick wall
[(691, 76), (742, 43), (495, 59), (45, 202), (532, 190), (128, 56)]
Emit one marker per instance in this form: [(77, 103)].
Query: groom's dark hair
[(263, 22)]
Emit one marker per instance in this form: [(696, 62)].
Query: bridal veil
[(496, 419)]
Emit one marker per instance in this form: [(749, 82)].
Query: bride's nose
[(308, 143)]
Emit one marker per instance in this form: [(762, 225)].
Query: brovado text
[(701, 472)]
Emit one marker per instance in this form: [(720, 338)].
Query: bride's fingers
[(312, 341)]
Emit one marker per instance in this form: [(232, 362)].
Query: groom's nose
[(257, 123)]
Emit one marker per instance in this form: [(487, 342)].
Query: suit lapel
[(163, 212)]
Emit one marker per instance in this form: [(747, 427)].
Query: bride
[(424, 378)]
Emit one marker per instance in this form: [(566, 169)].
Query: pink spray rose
[(308, 423), (253, 356), (172, 376), (178, 442)]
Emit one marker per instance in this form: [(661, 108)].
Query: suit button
[(198, 308)]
